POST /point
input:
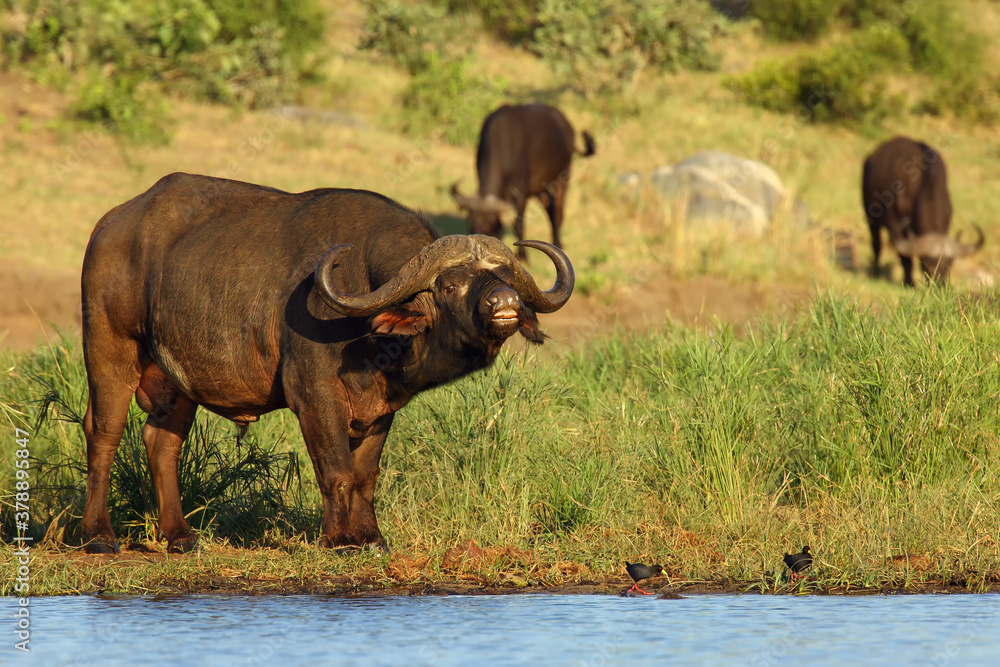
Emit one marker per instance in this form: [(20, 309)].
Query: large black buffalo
[(338, 304), (524, 151), (905, 189)]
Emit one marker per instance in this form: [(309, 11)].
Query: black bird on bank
[(798, 562), (638, 572)]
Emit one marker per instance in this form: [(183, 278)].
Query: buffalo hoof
[(102, 545), (181, 545), (371, 547), (378, 549)]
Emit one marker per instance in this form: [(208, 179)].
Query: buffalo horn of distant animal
[(938, 245), (488, 204), (966, 249)]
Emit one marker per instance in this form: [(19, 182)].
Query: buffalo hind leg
[(166, 428), (520, 204), (112, 379), (907, 263), (876, 248), (365, 455), (554, 207)]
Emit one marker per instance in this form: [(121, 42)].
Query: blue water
[(510, 630)]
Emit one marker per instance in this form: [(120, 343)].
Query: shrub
[(792, 20), (510, 20), (939, 40), (444, 101), (846, 83), (123, 105), (866, 12), (406, 33), (970, 96), (234, 51), (602, 44)]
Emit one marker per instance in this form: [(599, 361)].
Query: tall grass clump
[(239, 53), (232, 488)]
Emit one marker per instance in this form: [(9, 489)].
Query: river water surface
[(510, 630)]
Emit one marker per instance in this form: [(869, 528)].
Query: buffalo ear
[(400, 321), (530, 330)]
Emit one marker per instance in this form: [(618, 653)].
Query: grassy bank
[(869, 433)]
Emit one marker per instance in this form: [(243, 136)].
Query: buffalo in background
[(340, 305), (905, 189), (524, 151)]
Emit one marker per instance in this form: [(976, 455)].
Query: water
[(510, 630)]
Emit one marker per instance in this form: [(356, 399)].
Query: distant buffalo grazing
[(524, 151), (905, 189), (340, 305)]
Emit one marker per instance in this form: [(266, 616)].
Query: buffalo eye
[(448, 289)]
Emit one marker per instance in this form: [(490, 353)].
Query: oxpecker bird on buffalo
[(340, 305), (524, 151)]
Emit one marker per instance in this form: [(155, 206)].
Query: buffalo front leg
[(325, 434), (365, 455), (164, 432)]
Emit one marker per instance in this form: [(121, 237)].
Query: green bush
[(406, 33), (940, 41), (602, 44), (866, 12), (848, 82), (234, 51), (970, 96), (845, 83), (123, 105), (444, 101), (510, 20), (792, 20)]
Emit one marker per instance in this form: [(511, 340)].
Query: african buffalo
[(905, 189), (340, 305), (524, 151)]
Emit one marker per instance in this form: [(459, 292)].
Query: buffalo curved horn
[(522, 282), (938, 245), (925, 245), (414, 276), (555, 298), (460, 199), (488, 204), (966, 249)]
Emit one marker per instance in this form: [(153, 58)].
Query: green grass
[(866, 433)]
